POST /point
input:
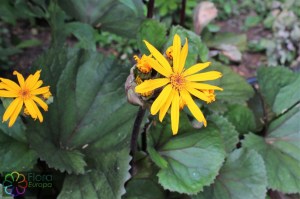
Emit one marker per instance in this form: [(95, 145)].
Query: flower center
[(25, 93), (177, 81)]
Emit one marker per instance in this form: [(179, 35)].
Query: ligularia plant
[(177, 82)]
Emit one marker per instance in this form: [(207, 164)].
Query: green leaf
[(228, 132), (153, 32), (121, 17), (29, 43), (188, 155), (213, 28), (108, 164), (242, 176), (251, 21), (236, 89), (143, 189), (17, 131), (15, 155), (242, 118), (280, 151), (89, 104), (7, 12), (84, 33), (272, 79), (287, 96), (196, 47)]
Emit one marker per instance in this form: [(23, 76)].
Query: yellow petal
[(175, 113), (37, 85), (198, 94), (183, 55), (159, 68), (212, 75), (20, 78), (12, 85), (40, 91), (29, 103), (202, 86), (195, 68), (16, 112), (159, 57), (161, 99), (3, 86), (38, 112), (150, 85), (193, 106), (176, 52), (10, 109), (8, 93), (32, 79), (165, 107), (41, 103)]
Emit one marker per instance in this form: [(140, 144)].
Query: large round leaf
[(87, 128), (272, 79), (282, 102), (188, 161), (118, 16), (280, 150), (242, 176)]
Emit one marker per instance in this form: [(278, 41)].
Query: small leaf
[(280, 151), (153, 32), (242, 118), (29, 43), (242, 176), (213, 28), (251, 21), (287, 96), (271, 80), (190, 166)]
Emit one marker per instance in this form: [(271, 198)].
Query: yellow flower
[(143, 63), (178, 84), (26, 93)]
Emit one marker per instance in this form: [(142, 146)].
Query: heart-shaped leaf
[(280, 151), (242, 176), (122, 17), (87, 128), (186, 159)]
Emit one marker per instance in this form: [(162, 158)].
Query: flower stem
[(182, 12), (150, 8), (136, 130)]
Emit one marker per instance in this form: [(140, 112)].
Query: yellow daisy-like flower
[(26, 93), (178, 83)]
